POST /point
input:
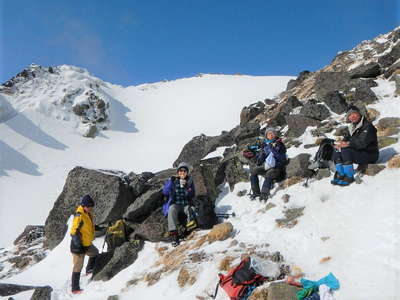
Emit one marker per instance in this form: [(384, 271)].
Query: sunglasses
[(182, 170)]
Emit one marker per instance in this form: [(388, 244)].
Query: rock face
[(123, 257), (42, 293), (335, 101), (244, 132), (278, 116), (110, 193), (369, 70), (201, 145), (153, 229), (248, 113), (149, 201), (295, 82), (12, 289), (298, 123), (314, 110), (298, 166)]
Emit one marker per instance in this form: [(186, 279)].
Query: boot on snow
[(75, 288), (174, 238)]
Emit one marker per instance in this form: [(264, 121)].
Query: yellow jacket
[(83, 224)]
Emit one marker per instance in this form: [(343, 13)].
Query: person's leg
[(77, 260), (254, 181), (270, 176), (348, 157), (92, 252), (339, 172), (173, 222)]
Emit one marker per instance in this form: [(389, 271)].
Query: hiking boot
[(348, 177), (75, 289), (174, 238), (264, 197), (254, 196), (339, 174)]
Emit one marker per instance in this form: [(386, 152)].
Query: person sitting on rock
[(180, 191), (360, 147), (82, 233), (271, 161)]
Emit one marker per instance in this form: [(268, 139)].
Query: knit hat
[(87, 201), (184, 166), (352, 109), (271, 129)]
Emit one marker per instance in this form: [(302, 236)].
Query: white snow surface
[(361, 222)]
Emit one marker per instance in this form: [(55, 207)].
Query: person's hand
[(345, 144), (341, 144), (182, 182)]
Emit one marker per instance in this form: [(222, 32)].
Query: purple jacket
[(169, 191), (278, 150)]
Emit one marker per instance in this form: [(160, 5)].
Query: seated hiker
[(361, 147), (180, 191), (271, 161), (82, 233)]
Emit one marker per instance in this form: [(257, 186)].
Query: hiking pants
[(173, 215), (78, 259), (270, 175), (352, 156)]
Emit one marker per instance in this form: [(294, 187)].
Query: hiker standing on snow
[(180, 191), (271, 161), (82, 233), (361, 147)]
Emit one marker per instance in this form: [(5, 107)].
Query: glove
[(76, 244)]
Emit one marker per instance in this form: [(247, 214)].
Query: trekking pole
[(105, 238), (226, 216)]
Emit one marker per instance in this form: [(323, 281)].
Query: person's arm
[(279, 152), (167, 187), (76, 242)]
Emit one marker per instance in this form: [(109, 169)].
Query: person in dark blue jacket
[(180, 191), (271, 161)]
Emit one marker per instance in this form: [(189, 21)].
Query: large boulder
[(199, 146), (243, 132), (110, 192), (206, 178), (12, 289), (295, 82), (335, 101), (138, 182), (153, 229), (248, 113), (369, 70), (298, 166), (278, 116), (298, 123), (391, 57), (149, 201), (389, 122), (234, 172), (314, 110), (123, 257), (42, 293)]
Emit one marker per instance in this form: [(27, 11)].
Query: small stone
[(234, 243), (242, 245), (325, 259), (373, 169), (113, 297), (323, 173), (394, 162), (241, 193), (269, 206), (285, 198), (372, 114), (308, 146), (325, 238), (386, 141), (387, 131), (389, 122)]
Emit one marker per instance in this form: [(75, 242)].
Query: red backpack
[(238, 280)]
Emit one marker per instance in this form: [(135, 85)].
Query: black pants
[(352, 156), (269, 175)]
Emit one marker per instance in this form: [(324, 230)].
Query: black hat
[(87, 201)]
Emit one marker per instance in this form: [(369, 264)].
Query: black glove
[(76, 244)]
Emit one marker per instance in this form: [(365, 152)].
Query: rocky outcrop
[(110, 192), (42, 293), (277, 117), (201, 145), (244, 132), (122, 258), (298, 123), (370, 70), (153, 229), (12, 289), (298, 166), (335, 101), (295, 82), (314, 110), (248, 113)]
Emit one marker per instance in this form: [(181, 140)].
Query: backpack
[(204, 212), (323, 155), (240, 280), (117, 234)]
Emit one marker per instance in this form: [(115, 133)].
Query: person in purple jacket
[(271, 161), (180, 191)]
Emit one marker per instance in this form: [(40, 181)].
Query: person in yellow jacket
[(82, 233)]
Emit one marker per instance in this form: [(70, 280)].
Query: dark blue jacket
[(169, 191), (278, 150)]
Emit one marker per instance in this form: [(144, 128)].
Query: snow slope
[(150, 123), (357, 226)]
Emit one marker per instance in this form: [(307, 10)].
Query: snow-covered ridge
[(64, 92)]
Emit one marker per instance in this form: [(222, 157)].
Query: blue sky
[(132, 42)]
